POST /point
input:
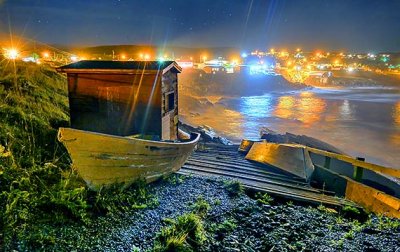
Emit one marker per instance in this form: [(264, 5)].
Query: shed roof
[(88, 66)]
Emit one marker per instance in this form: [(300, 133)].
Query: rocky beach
[(232, 221)]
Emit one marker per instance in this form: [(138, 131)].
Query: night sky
[(354, 25)]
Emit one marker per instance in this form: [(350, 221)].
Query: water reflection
[(284, 109), (345, 110), (257, 106), (306, 108), (396, 114)]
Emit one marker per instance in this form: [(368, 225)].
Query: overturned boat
[(124, 121), (374, 187)]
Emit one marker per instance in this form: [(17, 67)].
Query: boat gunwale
[(171, 144)]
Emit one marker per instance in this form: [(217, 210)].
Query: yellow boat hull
[(102, 159)]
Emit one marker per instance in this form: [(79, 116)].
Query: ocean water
[(361, 121)]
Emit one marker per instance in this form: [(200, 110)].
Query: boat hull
[(102, 159)]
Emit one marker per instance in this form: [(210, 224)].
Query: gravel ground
[(275, 227)]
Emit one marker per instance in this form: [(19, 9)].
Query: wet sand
[(362, 120)]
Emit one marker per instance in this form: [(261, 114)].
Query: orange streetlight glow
[(46, 55), (123, 56), (11, 54)]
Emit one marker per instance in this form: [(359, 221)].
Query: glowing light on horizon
[(11, 54)]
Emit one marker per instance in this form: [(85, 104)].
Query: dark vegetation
[(37, 185)]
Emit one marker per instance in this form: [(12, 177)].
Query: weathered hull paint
[(102, 159)]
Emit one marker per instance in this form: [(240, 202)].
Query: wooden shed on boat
[(124, 97)]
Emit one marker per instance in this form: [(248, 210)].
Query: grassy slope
[(37, 185)]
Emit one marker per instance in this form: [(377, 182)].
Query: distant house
[(124, 97)]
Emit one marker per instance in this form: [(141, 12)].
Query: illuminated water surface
[(362, 122)]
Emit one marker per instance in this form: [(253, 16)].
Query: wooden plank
[(369, 166), (370, 198), (289, 157), (373, 199), (282, 191), (250, 177), (240, 168)]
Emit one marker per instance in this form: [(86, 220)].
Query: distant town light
[(146, 57), (11, 54), (46, 55), (74, 58), (123, 56), (244, 55)]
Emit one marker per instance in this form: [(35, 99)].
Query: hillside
[(37, 185)]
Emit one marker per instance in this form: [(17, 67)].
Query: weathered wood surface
[(288, 157), (170, 85), (365, 165), (226, 162), (102, 159), (115, 104), (368, 197)]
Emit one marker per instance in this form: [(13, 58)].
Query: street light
[(11, 54), (46, 55)]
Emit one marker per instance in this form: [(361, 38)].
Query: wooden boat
[(374, 187), (102, 159)]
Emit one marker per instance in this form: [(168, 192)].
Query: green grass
[(264, 198), (37, 184), (201, 206), (234, 188), (225, 227), (186, 233)]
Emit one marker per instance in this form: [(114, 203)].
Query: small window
[(170, 102)]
